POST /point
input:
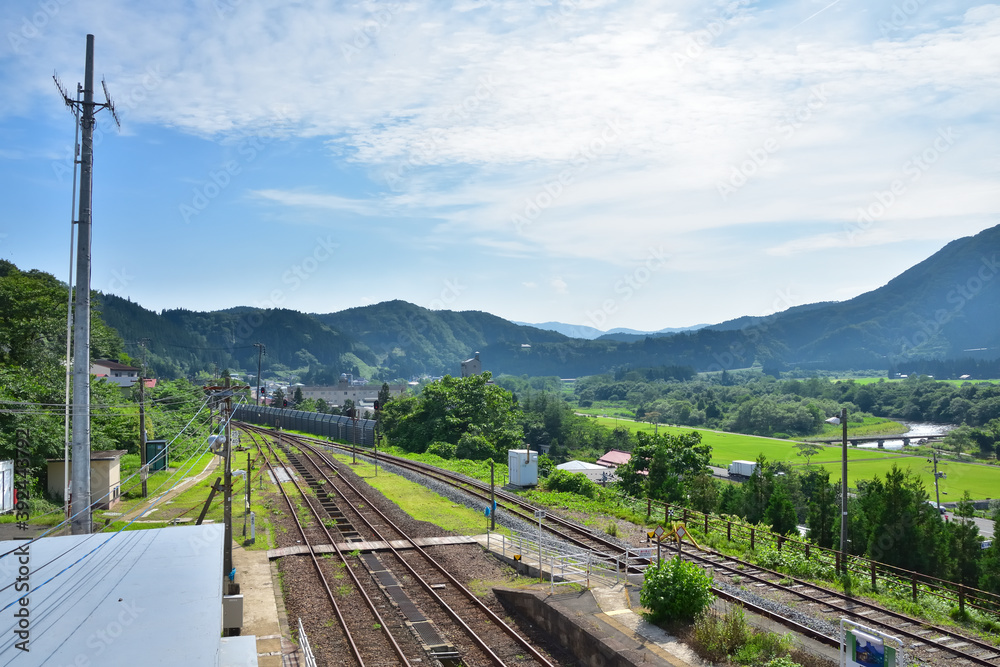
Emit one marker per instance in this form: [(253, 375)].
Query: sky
[(595, 162)]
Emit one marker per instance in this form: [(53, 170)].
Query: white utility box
[(523, 467)]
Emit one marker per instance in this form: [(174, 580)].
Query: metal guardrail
[(306, 649)]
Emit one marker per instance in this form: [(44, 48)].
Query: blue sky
[(614, 164)]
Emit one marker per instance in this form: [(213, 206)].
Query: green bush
[(571, 482), (445, 450), (675, 591)]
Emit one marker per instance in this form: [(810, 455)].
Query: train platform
[(601, 619)]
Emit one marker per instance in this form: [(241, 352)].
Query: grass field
[(882, 379), (420, 502), (980, 481)]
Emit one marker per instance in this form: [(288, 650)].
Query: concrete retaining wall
[(571, 623)]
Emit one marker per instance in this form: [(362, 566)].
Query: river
[(917, 430)]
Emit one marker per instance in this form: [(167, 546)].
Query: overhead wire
[(99, 546), (64, 521)]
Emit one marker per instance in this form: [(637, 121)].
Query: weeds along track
[(450, 623), (806, 608)]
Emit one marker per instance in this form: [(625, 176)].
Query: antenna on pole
[(110, 105)]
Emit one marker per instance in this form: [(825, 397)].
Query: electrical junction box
[(522, 464)]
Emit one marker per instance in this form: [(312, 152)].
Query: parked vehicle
[(742, 468)]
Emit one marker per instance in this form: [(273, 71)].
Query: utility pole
[(843, 494), (81, 523), (227, 552), (260, 353), (143, 471), (937, 491)]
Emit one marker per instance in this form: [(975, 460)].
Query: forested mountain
[(411, 340), (184, 342), (946, 307)]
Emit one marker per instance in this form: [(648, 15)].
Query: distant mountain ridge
[(590, 333), (945, 307)]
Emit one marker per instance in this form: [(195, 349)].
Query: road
[(985, 525)]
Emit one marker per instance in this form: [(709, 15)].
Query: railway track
[(453, 626), (374, 646), (924, 641)]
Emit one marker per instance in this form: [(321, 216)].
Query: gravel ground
[(628, 534), (467, 563)]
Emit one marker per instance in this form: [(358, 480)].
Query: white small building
[(472, 366), (114, 372), (6, 486), (594, 472), (522, 464)]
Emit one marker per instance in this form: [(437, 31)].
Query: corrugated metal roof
[(615, 458)]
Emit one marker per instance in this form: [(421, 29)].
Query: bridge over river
[(882, 439)]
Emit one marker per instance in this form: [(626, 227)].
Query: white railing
[(306, 649)]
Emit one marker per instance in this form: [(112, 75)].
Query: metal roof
[(579, 465), (143, 597)]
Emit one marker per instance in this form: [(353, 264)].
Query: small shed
[(523, 467), (6, 486), (105, 478)]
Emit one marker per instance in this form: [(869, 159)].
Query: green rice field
[(981, 481)]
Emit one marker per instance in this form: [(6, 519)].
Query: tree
[(822, 515), (298, 395), (452, 407), (808, 450), (965, 547), (675, 457), (347, 409), (384, 396), (780, 511)]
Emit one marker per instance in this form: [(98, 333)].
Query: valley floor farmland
[(981, 481)]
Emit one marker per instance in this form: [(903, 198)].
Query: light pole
[(843, 487)]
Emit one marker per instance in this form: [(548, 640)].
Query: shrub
[(675, 591), (730, 638), (571, 482), (445, 450), (474, 447)]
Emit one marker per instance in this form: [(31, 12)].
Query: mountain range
[(945, 307)]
